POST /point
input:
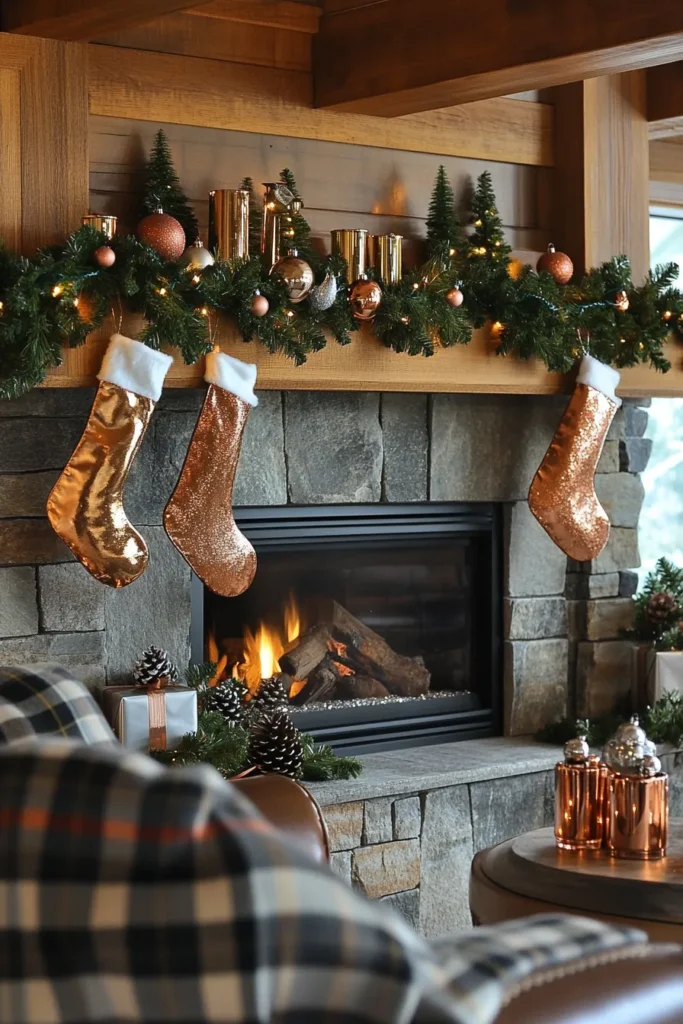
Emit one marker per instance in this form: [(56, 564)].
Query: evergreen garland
[(663, 723), (60, 295), (659, 606), (225, 745), (162, 188)]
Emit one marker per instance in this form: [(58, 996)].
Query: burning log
[(306, 652), (321, 684), (355, 687), (368, 654)]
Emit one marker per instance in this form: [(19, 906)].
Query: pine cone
[(227, 698), (275, 745), (271, 697), (660, 608), (154, 664)]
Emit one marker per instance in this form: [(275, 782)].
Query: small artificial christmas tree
[(255, 217), (489, 285), (488, 239), (162, 189), (444, 232), (297, 233)]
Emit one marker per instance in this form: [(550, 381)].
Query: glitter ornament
[(164, 234), (454, 297), (259, 305), (104, 256), (196, 257), (365, 298), (296, 275), (562, 494), (323, 295), (557, 264)]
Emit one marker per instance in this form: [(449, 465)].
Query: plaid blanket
[(48, 701), (133, 893)]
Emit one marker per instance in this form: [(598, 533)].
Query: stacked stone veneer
[(319, 448)]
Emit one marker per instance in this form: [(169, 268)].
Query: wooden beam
[(43, 140), (388, 57), (295, 17), (602, 171), (665, 100), (217, 94), (80, 19)]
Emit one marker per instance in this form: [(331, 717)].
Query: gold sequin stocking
[(562, 495), (198, 517), (85, 507)]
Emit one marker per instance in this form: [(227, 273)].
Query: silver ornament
[(625, 752), (576, 750), (322, 295), (196, 257), (650, 765)]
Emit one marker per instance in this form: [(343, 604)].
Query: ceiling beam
[(295, 17), (81, 20), (386, 59), (665, 100)]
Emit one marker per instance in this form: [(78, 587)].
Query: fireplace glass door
[(381, 622)]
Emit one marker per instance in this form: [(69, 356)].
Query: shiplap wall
[(343, 186)]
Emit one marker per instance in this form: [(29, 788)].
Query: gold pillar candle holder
[(389, 258), (352, 245), (580, 783), (637, 816), (101, 222), (277, 203), (229, 223)]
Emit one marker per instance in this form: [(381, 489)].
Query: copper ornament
[(557, 264), (164, 234), (296, 274), (259, 305), (562, 495), (365, 298), (199, 518), (454, 297), (104, 256), (85, 507)]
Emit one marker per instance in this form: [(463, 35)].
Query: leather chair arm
[(289, 807)]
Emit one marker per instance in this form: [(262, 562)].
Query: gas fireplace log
[(306, 652), (321, 684), (355, 687), (370, 655)]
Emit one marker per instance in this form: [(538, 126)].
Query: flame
[(341, 651), (220, 660), (264, 647), (296, 687)]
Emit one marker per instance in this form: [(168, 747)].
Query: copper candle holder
[(352, 244), (580, 782), (101, 222), (229, 223), (637, 816), (277, 203), (389, 258)]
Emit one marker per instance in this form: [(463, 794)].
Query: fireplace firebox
[(381, 621)]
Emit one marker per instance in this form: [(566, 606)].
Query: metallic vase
[(229, 223), (277, 203), (352, 244), (637, 816), (101, 222), (580, 804), (389, 258)]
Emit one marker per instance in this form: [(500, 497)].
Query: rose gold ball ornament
[(259, 305), (196, 257), (454, 297), (621, 301), (104, 256), (365, 298), (164, 234), (557, 264), (296, 275)]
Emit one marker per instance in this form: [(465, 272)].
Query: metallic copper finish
[(580, 805), (389, 262), (85, 507), (352, 244), (277, 202), (198, 517), (101, 222), (156, 705), (562, 495), (229, 223), (637, 816)]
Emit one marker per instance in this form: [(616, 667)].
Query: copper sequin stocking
[(85, 507), (562, 495), (199, 518)]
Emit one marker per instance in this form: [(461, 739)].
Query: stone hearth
[(561, 629)]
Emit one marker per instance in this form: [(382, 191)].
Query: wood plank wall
[(342, 185)]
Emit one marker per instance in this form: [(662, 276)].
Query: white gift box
[(663, 674), (135, 713)]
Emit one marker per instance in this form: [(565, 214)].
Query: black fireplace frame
[(384, 726)]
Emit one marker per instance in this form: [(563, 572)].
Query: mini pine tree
[(488, 239), (162, 188), (296, 234), (443, 227), (255, 218)]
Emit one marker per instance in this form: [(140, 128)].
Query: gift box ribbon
[(156, 706)]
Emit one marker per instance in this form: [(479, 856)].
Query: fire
[(341, 651), (264, 647)]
